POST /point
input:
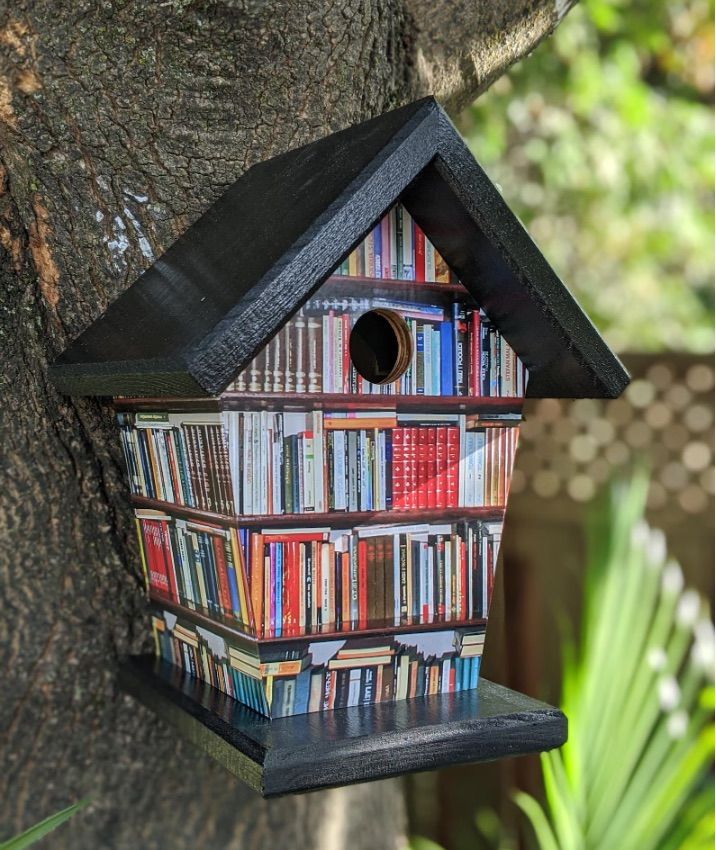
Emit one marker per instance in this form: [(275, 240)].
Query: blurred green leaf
[(40, 830)]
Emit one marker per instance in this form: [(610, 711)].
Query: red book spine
[(256, 571), (221, 574), (432, 467), (411, 468), (441, 487), (296, 585), (453, 461), (452, 679), (158, 578), (475, 353), (462, 612), (398, 478), (419, 238), (362, 584), (168, 557), (422, 461), (298, 537)]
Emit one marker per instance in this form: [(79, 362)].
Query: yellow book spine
[(142, 556)]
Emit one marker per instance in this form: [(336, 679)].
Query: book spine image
[(292, 680)]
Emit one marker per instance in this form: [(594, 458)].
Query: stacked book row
[(397, 673), (297, 462), (308, 581), (374, 670), (456, 351), (195, 565), (178, 458), (396, 249), (316, 580), (265, 463), (186, 649)]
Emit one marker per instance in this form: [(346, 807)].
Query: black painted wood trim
[(215, 298), (313, 751)]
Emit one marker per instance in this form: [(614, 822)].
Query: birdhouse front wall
[(325, 533)]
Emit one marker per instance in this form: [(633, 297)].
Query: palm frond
[(634, 773)]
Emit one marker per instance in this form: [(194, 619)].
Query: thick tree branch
[(462, 47)]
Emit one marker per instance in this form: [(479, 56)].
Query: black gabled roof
[(201, 312)]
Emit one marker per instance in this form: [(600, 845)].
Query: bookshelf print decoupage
[(313, 540)]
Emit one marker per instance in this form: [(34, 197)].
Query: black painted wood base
[(313, 751)]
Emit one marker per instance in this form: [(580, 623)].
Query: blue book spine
[(484, 357), (447, 370), (435, 358), (207, 563), (146, 465), (244, 540), (454, 329), (233, 588), (377, 252), (420, 360), (277, 698), (183, 462), (474, 673), (303, 691)]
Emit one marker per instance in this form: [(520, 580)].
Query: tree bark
[(119, 124)]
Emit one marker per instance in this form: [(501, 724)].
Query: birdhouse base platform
[(308, 752)]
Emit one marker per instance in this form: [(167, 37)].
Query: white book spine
[(339, 466), (427, 358), (480, 468), (393, 246), (326, 566), (408, 250), (430, 597), (396, 579), (429, 261)]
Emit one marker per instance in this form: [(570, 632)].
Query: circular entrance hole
[(380, 346)]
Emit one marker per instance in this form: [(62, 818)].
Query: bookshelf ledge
[(308, 752)]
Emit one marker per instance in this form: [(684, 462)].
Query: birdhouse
[(318, 390)]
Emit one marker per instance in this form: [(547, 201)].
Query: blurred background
[(602, 141)]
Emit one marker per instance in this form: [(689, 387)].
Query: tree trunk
[(119, 124)]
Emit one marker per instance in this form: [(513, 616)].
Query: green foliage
[(40, 830), (418, 842), (603, 142), (636, 770)]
